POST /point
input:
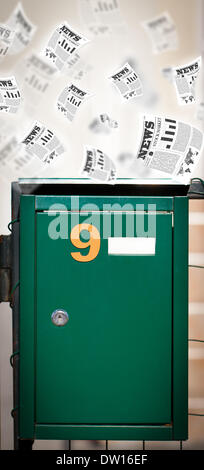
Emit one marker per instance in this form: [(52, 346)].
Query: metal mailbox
[(102, 311)]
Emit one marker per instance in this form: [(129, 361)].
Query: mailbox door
[(112, 361)]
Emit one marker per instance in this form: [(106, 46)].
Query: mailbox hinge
[(5, 268)]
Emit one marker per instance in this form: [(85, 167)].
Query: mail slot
[(102, 310)]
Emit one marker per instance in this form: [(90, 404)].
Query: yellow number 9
[(94, 242)]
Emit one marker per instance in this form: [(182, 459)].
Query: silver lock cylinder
[(59, 317)]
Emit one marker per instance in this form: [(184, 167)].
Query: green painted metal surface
[(111, 363), (77, 202), (128, 433)]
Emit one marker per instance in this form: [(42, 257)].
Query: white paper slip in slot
[(131, 246)]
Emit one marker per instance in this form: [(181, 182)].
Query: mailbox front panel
[(111, 363)]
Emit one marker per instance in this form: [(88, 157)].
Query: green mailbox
[(101, 310)]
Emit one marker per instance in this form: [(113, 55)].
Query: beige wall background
[(104, 55)]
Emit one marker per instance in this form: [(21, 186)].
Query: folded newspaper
[(4, 129), (98, 166), (14, 159), (8, 148), (105, 119), (101, 17), (76, 67), (170, 146), (10, 97), (39, 74), (24, 29), (63, 43), (162, 32), (43, 143), (149, 94), (70, 99), (127, 82), (6, 39), (185, 79)]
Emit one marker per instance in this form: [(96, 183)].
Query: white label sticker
[(131, 246)]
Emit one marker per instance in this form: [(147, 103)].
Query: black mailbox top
[(85, 186)]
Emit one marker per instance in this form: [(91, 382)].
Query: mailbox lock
[(59, 317)]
